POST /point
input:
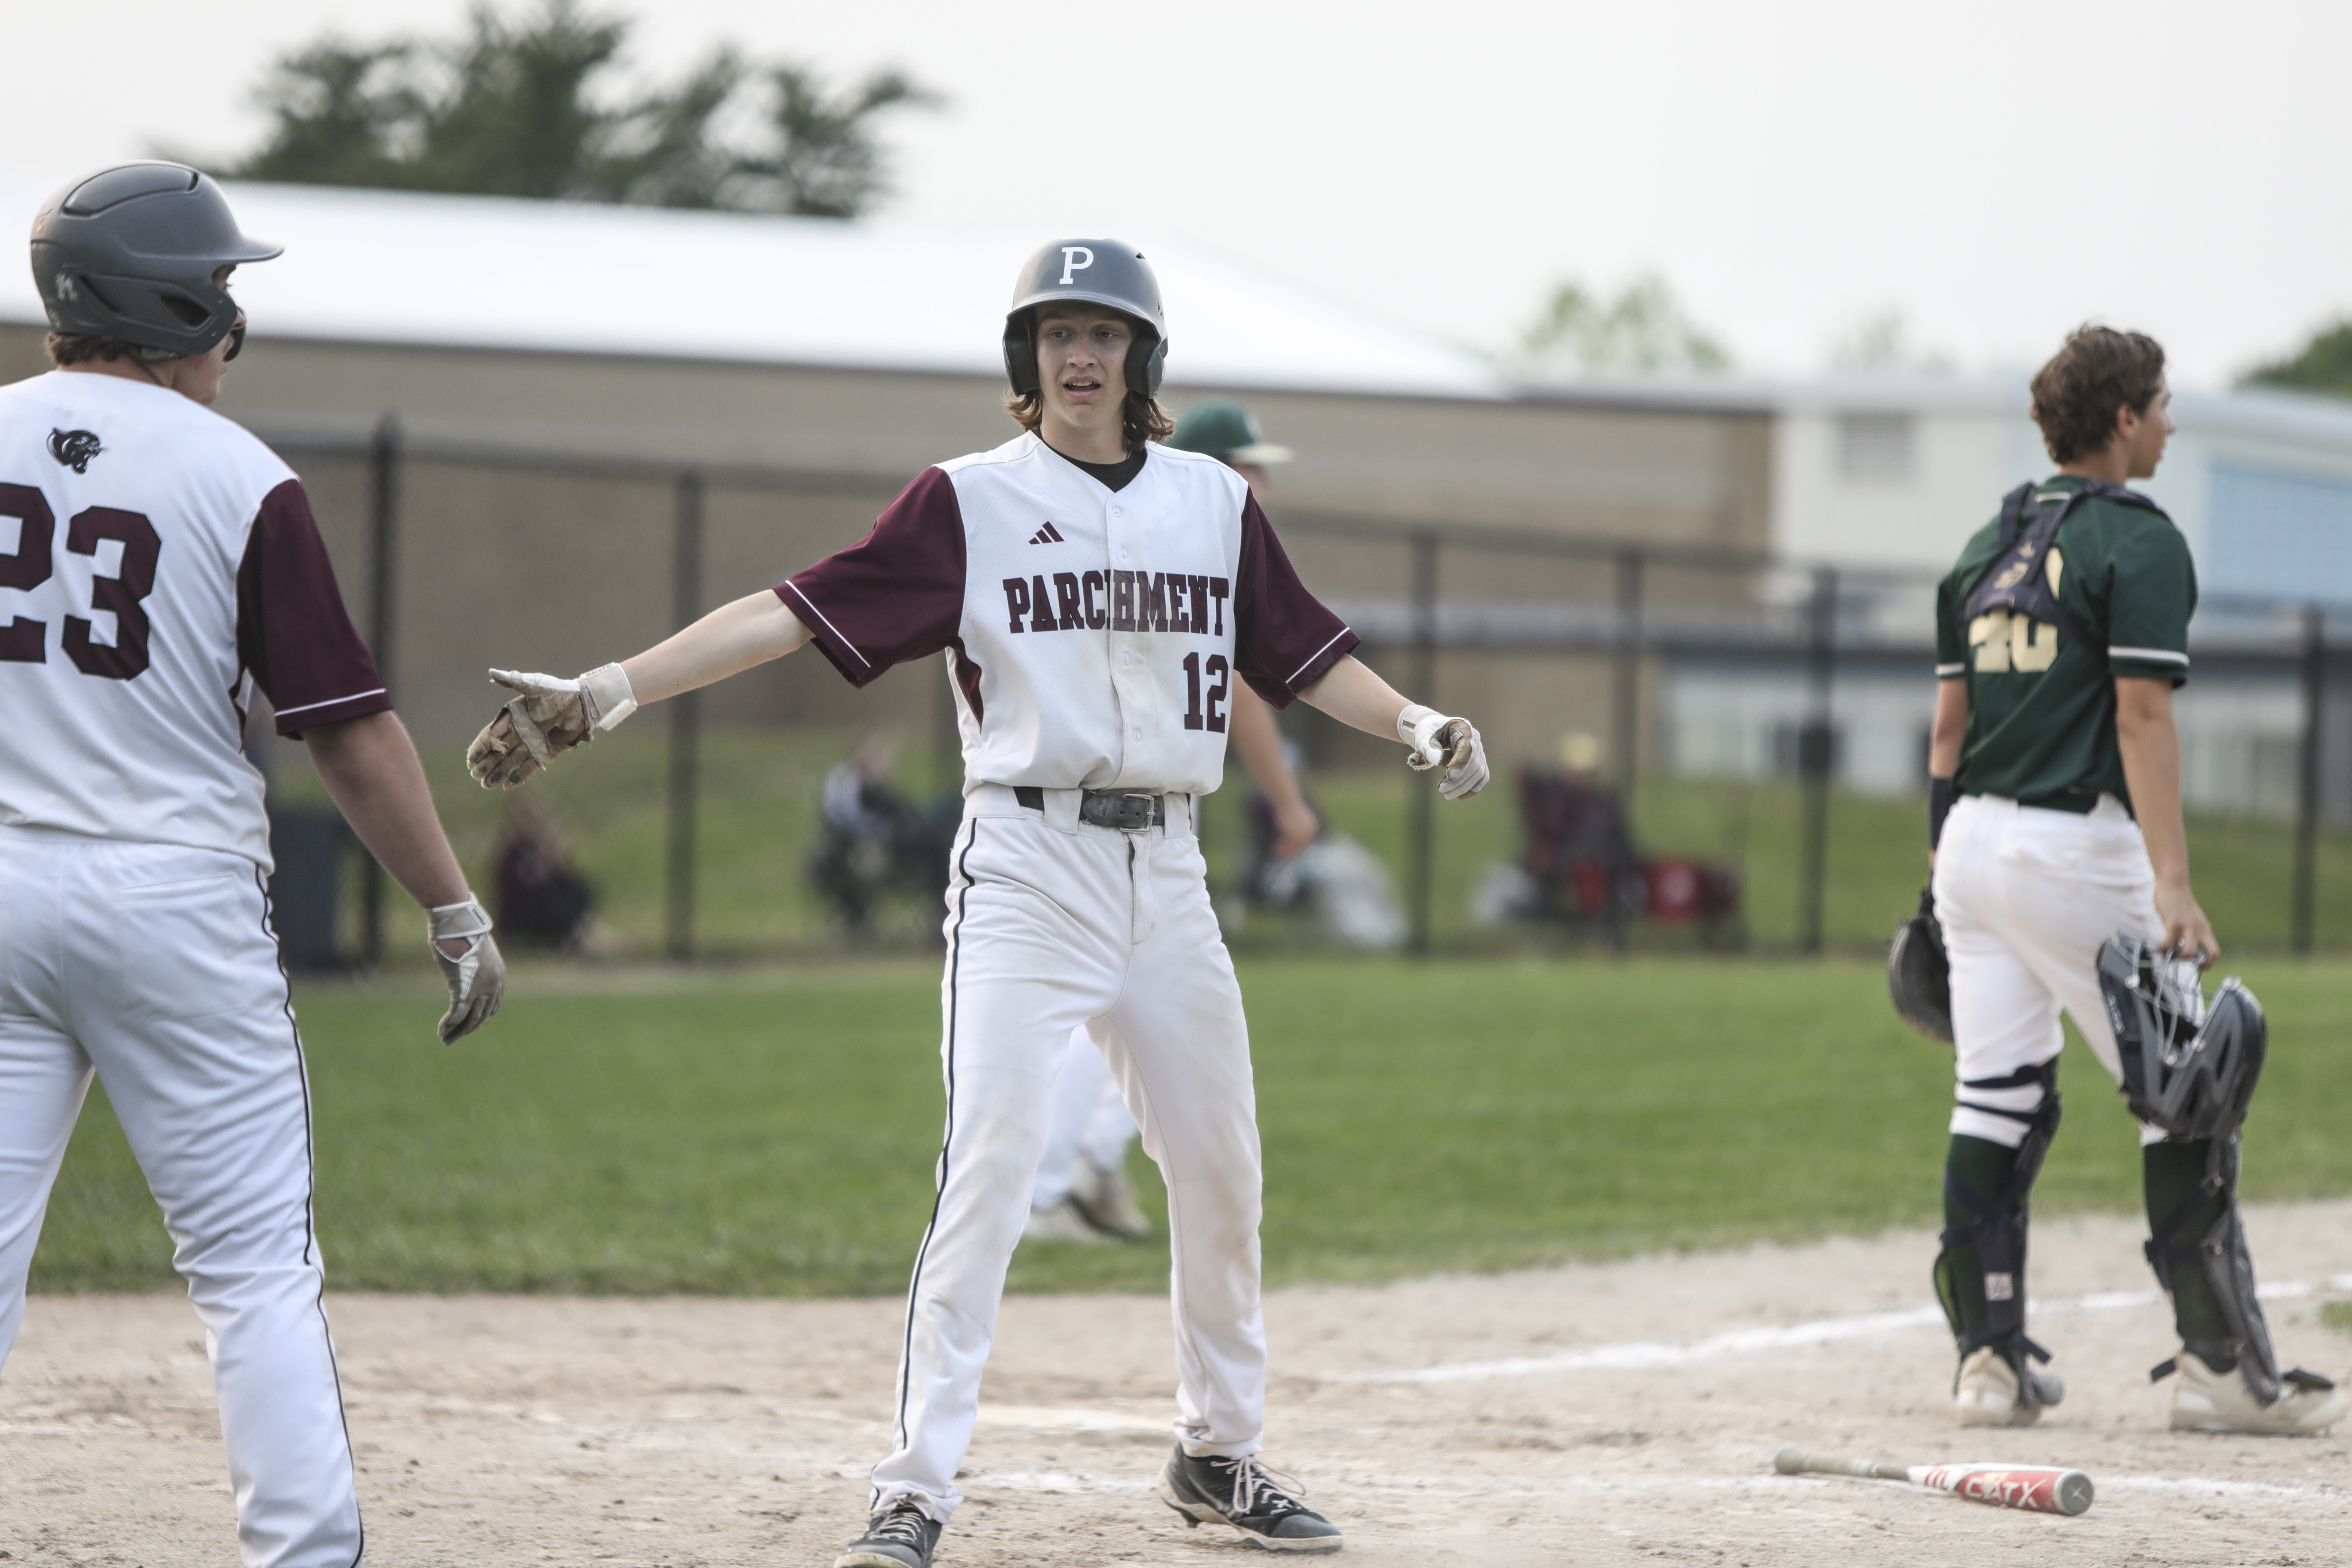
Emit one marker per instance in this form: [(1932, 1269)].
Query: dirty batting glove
[(1437, 741), (546, 718), (478, 979)]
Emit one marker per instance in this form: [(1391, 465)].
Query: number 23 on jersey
[(32, 562)]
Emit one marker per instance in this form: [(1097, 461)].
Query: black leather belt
[(1130, 811)]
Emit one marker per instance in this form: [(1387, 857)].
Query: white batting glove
[(1453, 744), (547, 717), (476, 981)]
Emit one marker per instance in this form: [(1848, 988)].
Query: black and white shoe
[(1252, 1499), (900, 1536)]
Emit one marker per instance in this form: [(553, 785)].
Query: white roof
[(563, 277)]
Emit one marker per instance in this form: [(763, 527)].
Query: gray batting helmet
[(129, 253), (1101, 272)]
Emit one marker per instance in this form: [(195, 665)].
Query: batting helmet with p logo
[(1096, 272)]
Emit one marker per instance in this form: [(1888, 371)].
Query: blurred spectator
[(538, 897), (875, 841)]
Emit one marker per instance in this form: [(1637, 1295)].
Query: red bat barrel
[(2039, 1487), (2042, 1489)]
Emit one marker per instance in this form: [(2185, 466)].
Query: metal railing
[(1820, 628)]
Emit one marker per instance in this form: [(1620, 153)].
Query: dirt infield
[(1617, 1413)]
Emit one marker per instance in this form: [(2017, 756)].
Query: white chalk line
[(1634, 1355), (1073, 1483)]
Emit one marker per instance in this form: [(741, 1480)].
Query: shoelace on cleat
[(905, 1524), (1257, 1492)]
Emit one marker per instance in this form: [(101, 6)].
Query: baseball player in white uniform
[(159, 571), (1096, 596), (1082, 1192)]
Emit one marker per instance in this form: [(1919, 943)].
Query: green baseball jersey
[(2042, 708)]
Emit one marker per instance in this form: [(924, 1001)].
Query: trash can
[(306, 891)]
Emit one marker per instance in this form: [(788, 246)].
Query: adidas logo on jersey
[(74, 448), (1048, 535)]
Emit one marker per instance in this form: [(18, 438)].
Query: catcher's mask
[(2187, 1067)]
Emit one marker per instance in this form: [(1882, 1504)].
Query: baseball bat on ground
[(2043, 1488)]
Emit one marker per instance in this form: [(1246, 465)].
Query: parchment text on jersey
[(1122, 601)]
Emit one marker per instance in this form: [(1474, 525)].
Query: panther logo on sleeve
[(74, 448)]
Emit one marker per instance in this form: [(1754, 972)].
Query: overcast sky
[(1997, 170)]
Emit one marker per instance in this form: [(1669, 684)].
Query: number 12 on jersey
[(1219, 675)]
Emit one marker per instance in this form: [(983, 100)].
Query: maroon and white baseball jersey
[(157, 565), (1093, 636)]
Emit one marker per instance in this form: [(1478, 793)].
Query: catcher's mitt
[(1919, 973)]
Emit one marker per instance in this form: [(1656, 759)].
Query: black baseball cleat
[(1246, 1495), (900, 1536)]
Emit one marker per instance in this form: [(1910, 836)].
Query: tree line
[(527, 107)]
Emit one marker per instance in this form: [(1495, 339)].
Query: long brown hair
[(1140, 417)]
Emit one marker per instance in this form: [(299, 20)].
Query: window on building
[(1876, 448), (2283, 535)]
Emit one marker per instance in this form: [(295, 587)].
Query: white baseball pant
[(1090, 1121), (1053, 923), (154, 966), (2027, 895)]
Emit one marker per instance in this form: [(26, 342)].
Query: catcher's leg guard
[(2210, 1277), (1981, 1274)]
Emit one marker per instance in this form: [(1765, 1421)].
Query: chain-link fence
[(1693, 746)]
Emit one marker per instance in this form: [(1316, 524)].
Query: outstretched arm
[(730, 640), (1354, 694), (552, 714), (1350, 693)]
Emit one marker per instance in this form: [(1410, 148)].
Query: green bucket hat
[(1224, 428)]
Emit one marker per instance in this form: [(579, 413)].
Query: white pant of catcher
[(1053, 923), (2027, 895), (153, 966)]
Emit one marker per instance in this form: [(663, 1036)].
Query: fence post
[(1422, 826), (1814, 758), (384, 606), (685, 722), (1626, 717), (2306, 805)]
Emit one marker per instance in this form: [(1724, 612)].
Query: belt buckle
[(1131, 813)]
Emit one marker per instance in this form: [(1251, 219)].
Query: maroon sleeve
[(292, 632), (1284, 639), (896, 594)]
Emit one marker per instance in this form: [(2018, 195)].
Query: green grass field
[(759, 813), (772, 1132)]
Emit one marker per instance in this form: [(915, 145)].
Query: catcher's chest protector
[(2020, 579)]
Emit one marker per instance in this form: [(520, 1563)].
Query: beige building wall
[(592, 551)]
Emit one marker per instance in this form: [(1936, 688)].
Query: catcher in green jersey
[(2055, 835)]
